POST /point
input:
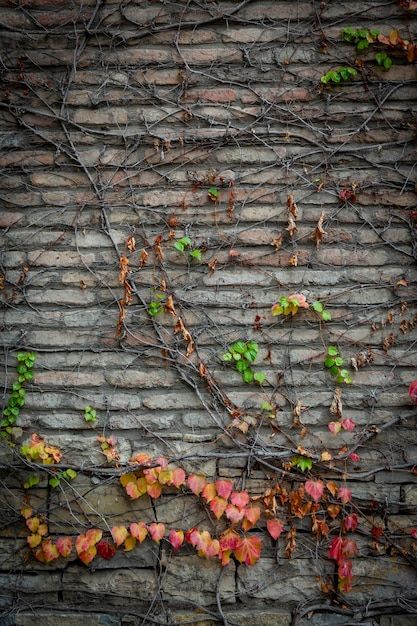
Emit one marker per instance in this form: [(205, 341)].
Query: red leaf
[(106, 550), (176, 539), (412, 391), (239, 499), (49, 550), (154, 490), (350, 522), (119, 534), (335, 549), (315, 489), (275, 528), (218, 506), (249, 550), (64, 546), (252, 514), (348, 424), (196, 483), (349, 547), (229, 540), (156, 531), (224, 488), (377, 532), (93, 535)]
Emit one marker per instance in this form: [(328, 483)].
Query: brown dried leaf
[(319, 231), (336, 407)]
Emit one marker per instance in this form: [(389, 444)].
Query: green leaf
[(332, 351), (214, 192), (338, 361), (247, 376), (227, 357), (326, 316), (334, 371), (28, 376), (380, 57), (54, 481), (31, 481), (329, 362), (362, 44), (260, 377), (266, 406), (317, 306), (238, 346), (236, 356), (388, 63), (196, 254), (303, 463), (70, 474), (242, 365), (179, 246), (16, 386)]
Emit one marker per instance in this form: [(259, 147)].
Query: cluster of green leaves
[(302, 463), (319, 308), (361, 37), (156, 306), (185, 245), (68, 474), (334, 364), (90, 414), (338, 75), (383, 60), (242, 354), (26, 361)]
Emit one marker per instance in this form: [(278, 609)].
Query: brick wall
[(116, 119)]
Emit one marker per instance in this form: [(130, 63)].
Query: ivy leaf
[(249, 550), (218, 506), (252, 514), (332, 351), (31, 481), (275, 528), (344, 494), (196, 483), (139, 531), (88, 555), (129, 543), (178, 477), (209, 492), (259, 377), (105, 549), (176, 538), (315, 489), (317, 306), (49, 550), (64, 546), (239, 499), (303, 463), (248, 376), (156, 531), (119, 534), (154, 490), (224, 488), (33, 540), (213, 193), (234, 514)]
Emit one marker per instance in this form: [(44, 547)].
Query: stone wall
[(117, 118)]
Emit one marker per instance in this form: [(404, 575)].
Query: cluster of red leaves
[(341, 550)]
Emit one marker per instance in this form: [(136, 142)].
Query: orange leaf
[(93, 536), (275, 528), (49, 550), (234, 514), (332, 487), (209, 492), (229, 540), (42, 530), (196, 483), (139, 531), (333, 510), (119, 534), (252, 514), (218, 506), (154, 490), (33, 524), (87, 556), (249, 550), (64, 546), (165, 477), (26, 511)]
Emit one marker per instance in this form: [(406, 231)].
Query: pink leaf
[(138, 531), (239, 499), (412, 391), (335, 549), (315, 489), (334, 427), (176, 539), (156, 531), (350, 522), (344, 494), (224, 488), (234, 514), (348, 424), (64, 546), (275, 528), (178, 477), (196, 483), (354, 457)]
